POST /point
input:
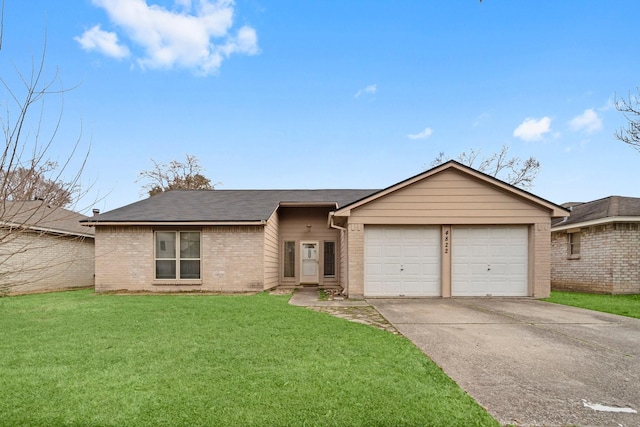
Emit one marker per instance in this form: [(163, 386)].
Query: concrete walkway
[(528, 362), (308, 297), (358, 311)]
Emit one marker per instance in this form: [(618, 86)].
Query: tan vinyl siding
[(271, 252), (293, 227), (449, 197)]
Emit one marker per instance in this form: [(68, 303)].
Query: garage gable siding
[(449, 197)]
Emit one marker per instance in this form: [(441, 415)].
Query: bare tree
[(511, 170), (28, 170), (175, 175), (630, 108), (30, 183)]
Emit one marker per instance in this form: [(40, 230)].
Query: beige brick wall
[(355, 271), (608, 263), (124, 258), (232, 260), (625, 258), (36, 261)]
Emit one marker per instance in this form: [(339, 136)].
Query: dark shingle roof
[(612, 206), (37, 215), (221, 205)]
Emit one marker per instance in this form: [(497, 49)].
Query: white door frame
[(309, 262)]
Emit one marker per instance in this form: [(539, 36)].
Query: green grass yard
[(82, 359), (624, 305)]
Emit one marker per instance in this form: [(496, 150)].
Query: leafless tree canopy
[(175, 175), (511, 170), (28, 171), (30, 183), (630, 108)]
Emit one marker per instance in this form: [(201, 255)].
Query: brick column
[(540, 260), (355, 245)]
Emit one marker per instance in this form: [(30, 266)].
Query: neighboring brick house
[(597, 248), (43, 248), (449, 231)]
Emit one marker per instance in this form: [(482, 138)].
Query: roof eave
[(47, 230), (90, 223), (600, 221)]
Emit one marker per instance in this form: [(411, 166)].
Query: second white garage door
[(402, 261), (489, 261)]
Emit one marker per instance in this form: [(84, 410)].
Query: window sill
[(577, 256), (186, 282)]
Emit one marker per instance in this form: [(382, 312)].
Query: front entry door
[(309, 260)]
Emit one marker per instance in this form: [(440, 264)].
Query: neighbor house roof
[(609, 209), (221, 206), (38, 216)]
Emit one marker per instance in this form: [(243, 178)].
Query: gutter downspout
[(346, 248)]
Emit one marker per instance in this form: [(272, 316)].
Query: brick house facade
[(44, 248), (409, 239), (597, 249)]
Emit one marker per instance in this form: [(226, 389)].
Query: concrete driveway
[(530, 362)]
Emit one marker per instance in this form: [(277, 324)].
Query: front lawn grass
[(624, 305), (82, 359)]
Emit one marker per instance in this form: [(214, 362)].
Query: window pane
[(189, 269), (165, 269), (574, 243), (190, 244), (165, 244), (289, 259), (329, 258)]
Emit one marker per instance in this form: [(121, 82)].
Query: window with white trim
[(177, 255)]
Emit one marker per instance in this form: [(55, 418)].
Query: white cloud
[(421, 135), (103, 42), (533, 129), (183, 37), (589, 121), (372, 89)]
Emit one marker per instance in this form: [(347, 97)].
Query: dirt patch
[(366, 315)]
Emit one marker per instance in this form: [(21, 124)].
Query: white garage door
[(489, 261), (401, 261)]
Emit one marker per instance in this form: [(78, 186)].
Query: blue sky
[(334, 94)]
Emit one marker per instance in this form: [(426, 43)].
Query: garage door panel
[(489, 260), (402, 261)]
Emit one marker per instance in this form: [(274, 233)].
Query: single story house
[(597, 248), (43, 247), (449, 231)]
